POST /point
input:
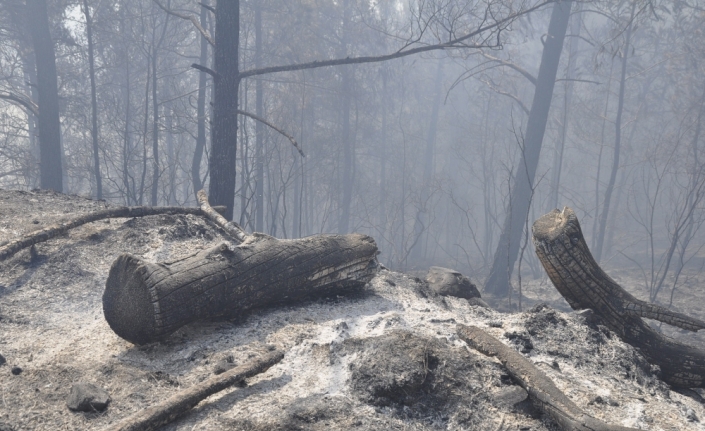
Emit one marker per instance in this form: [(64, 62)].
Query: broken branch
[(55, 230), (272, 126), (187, 18), (232, 228), (543, 392), (161, 414)]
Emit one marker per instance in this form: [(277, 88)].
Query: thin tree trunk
[(508, 248), (567, 98), (617, 142), (94, 103), (201, 108), (420, 224), (259, 127), (599, 158), (50, 152), (348, 75)]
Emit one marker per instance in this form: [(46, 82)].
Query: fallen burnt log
[(145, 302), (543, 392), (562, 250)]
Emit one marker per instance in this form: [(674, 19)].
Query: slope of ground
[(387, 358)]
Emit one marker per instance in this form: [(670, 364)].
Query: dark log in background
[(562, 250), (145, 302)]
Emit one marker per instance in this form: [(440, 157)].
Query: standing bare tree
[(48, 125), (520, 201)]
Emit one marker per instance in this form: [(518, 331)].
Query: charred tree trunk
[(225, 98), (145, 302), (201, 108), (50, 159), (564, 254), (523, 183), (94, 102)]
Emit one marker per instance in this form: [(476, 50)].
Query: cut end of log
[(551, 225), (127, 304)]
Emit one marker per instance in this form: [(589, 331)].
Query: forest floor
[(387, 358)]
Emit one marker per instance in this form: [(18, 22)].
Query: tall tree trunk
[(94, 103), (382, 149), (598, 175), (567, 97), (259, 127), (225, 98), (201, 108), (130, 193), (617, 142), (420, 224), (348, 75), (50, 157), (508, 248), (155, 110)]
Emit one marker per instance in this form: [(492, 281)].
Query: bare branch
[(28, 104), (511, 65), (457, 43), (508, 94), (191, 18), (207, 70), (272, 126), (210, 8)]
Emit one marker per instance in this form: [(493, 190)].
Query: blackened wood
[(145, 302), (49, 232), (562, 250), (543, 392), (233, 229), (180, 403)]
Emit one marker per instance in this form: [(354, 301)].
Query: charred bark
[(543, 392), (562, 250), (145, 302)]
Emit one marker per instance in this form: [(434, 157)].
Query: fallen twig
[(181, 402)]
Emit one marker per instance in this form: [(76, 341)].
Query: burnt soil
[(384, 359)]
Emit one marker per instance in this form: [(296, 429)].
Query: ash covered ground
[(387, 358)]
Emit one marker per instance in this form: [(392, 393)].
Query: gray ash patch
[(417, 376)]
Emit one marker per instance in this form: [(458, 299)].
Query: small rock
[(16, 371), (691, 416), (448, 282), (87, 397), (224, 365), (6, 427), (3, 361), (496, 324)]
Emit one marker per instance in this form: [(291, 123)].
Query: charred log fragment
[(562, 250)]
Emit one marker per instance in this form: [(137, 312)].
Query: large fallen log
[(180, 403), (562, 250), (145, 302), (543, 392)]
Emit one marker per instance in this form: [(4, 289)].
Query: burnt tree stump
[(145, 302), (564, 254)]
